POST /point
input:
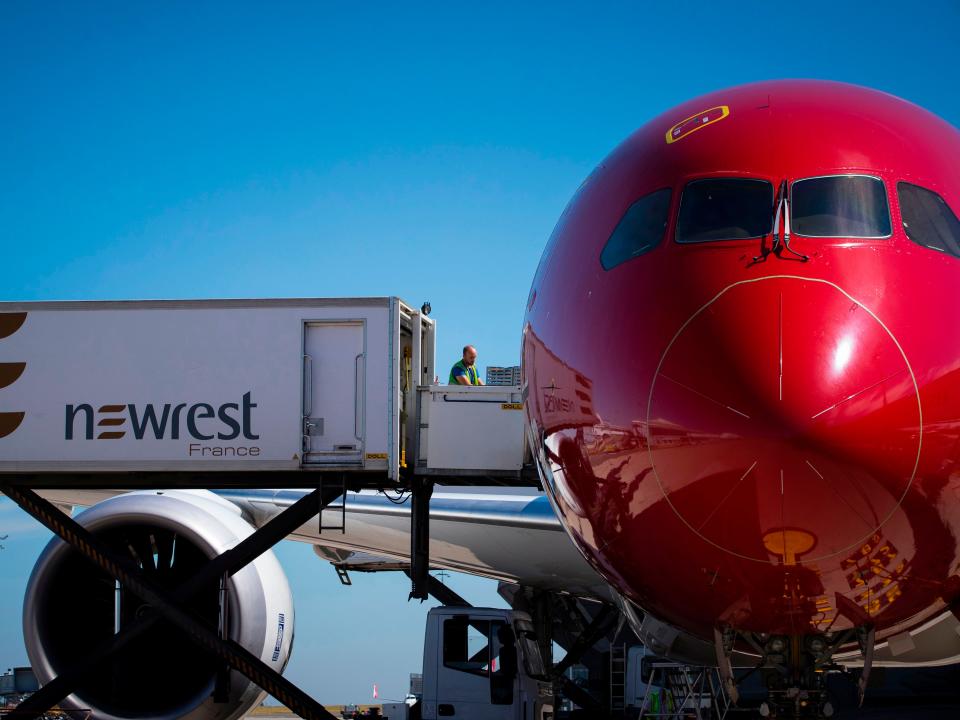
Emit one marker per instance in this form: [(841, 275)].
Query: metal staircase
[(338, 483), (677, 691), (618, 680)]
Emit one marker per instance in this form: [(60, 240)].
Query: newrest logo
[(200, 421), (10, 372)]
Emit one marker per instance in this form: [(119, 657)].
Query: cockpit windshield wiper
[(782, 212), (785, 202)]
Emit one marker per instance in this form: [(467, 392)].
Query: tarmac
[(279, 712), (914, 710), (938, 712)]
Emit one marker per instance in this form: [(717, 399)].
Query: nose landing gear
[(794, 669)]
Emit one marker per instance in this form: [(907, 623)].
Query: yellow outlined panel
[(696, 122)]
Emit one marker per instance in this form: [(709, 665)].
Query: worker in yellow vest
[(464, 371)]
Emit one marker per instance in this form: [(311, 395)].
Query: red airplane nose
[(784, 423)]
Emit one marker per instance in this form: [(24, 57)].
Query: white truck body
[(207, 385), (241, 385), (487, 437), (483, 664)]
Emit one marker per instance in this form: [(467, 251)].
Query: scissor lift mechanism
[(170, 605)]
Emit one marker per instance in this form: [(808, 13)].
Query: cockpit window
[(840, 206), (725, 209), (640, 229), (928, 220)]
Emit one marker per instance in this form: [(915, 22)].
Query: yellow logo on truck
[(10, 372), (511, 406)]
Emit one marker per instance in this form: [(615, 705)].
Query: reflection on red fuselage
[(767, 443)]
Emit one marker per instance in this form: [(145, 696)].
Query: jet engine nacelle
[(71, 606)]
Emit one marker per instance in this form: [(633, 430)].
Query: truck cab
[(483, 663)]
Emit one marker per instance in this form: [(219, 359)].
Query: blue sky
[(188, 150)]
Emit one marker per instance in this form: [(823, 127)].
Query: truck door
[(334, 379), (474, 678)]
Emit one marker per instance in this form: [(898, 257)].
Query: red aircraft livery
[(758, 290)]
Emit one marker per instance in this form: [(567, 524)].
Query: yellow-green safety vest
[(470, 371)]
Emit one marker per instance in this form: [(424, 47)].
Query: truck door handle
[(359, 397), (307, 385), (445, 709)]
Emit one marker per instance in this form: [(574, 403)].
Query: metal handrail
[(359, 400)]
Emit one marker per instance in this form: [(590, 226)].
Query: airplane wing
[(507, 534)]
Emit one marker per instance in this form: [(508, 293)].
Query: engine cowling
[(71, 606)]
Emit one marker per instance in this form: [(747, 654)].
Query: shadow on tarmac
[(892, 694), (917, 712)]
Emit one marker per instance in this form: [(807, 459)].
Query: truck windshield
[(840, 206), (725, 209), (532, 660)]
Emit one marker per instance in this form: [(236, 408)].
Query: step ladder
[(684, 692), (618, 680), (338, 483)]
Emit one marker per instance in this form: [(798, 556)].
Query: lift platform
[(334, 395)]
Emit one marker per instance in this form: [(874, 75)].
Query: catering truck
[(185, 388), (479, 663)]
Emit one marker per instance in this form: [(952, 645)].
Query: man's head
[(469, 355)]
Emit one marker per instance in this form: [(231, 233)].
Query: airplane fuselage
[(741, 356)]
